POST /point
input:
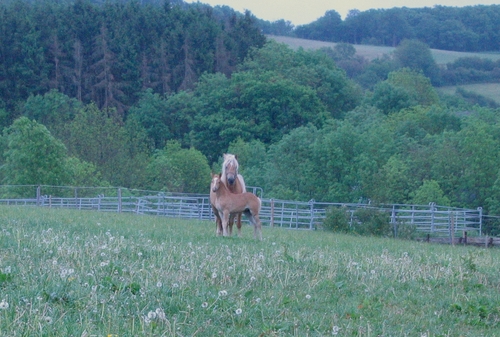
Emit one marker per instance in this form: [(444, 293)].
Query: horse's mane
[(229, 158)]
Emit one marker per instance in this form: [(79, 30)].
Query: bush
[(372, 222), (337, 220)]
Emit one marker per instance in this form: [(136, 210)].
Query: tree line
[(469, 28), (302, 126), (107, 53)]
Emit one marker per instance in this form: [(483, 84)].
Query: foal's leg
[(257, 226), (218, 222)]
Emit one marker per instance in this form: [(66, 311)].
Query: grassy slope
[(489, 90), (86, 273), (372, 52)]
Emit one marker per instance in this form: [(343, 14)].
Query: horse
[(228, 204), (235, 183)]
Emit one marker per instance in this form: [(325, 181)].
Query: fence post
[(311, 222), (38, 195), (480, 209), (272, 213), (393, 221), (432, 216), (452, 227), (119, 200)]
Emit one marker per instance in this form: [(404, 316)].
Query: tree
[(416, 55), (174, 169), (53, 109), (99, 137), (33, 156), (428, 192)]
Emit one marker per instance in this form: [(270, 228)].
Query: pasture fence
[(431, 219)]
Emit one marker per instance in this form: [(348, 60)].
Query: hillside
[(373, 52)]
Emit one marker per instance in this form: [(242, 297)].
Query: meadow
[(372, 52), (488, 90), (86, 273)]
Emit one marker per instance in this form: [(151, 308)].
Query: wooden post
[(465, 238)]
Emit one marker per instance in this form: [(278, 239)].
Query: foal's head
[(230, 168), (215, 184)]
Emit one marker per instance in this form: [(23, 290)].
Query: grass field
[(372, 52), (84, 273), (488, 90)]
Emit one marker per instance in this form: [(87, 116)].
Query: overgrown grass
[(82, 273)]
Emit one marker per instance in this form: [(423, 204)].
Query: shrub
[(372, 222), (337, 220)]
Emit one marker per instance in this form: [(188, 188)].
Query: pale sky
[(303, 12)]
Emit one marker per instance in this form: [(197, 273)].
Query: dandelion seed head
[(48, 319), (204, 305), (222, 293), (4, 305), (160, 313), (214, 275), (335, 330), (308, 297), (238, 311), (152, 315)]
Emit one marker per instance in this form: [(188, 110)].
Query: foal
[(227, 203)]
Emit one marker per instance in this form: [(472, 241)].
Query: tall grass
[(83, 273)]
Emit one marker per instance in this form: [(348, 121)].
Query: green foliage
[(337, 220), (108, 52), (117, 151), (403, 89), (178, 170), (429, 192), (370, 221), (53, 109), (32, 155), (416, 55)]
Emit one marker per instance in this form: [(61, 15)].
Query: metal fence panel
[(278, 213)]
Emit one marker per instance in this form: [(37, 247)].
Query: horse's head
[(214, 185), (230, 168)]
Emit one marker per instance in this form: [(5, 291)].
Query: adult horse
[(228, 204), (235, 183)]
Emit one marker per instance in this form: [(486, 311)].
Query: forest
[(149, 96)]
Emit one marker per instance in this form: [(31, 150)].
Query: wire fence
[(309, 215)]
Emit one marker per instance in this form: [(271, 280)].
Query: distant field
[(372, 52), (488, 90)]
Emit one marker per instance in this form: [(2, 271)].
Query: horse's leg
[(238, 224), (230, 224), (225, 221)]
